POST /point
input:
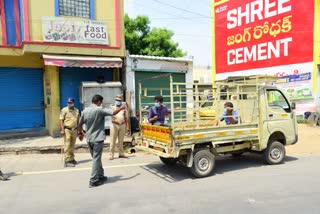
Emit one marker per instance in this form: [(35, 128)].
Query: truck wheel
[(169, 161), (203, 163), (275, 153)]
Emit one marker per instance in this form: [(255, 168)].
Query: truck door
[(280, 116)]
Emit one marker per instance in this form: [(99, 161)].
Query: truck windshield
[(277, 99)]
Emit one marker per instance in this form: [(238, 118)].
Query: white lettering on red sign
[(259, 52), (256, 9)]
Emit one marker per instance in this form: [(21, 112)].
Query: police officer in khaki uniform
[(69, 119), (118, 128)]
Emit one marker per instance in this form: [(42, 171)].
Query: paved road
[(142, 184)]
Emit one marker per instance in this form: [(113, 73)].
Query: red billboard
[(252, 34)]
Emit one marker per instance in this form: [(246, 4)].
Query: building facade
[(202, 74), (47, 49), (274, 37)]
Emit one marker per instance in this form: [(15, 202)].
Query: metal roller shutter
[(70, 79), (163, 82), (21, 98)]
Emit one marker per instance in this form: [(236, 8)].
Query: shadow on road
[(11, 175), (228, 164), (290, 158), (224, 164), (118, 178), (170, 174), (84, 161)]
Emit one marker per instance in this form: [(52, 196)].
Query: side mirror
[(293, 105)]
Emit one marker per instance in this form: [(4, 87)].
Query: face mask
[(157, 105), (225, 112), (70, 105), (118, 103)]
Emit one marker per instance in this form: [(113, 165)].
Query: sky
[(190, 20)]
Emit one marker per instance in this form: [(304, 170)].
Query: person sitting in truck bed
[(158, 112), (230, 115)]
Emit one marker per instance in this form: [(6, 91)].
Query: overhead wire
[(182, 9), (170, 14), (178, 17), (202, 8)]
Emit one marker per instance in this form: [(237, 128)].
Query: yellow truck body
[(195, 136)]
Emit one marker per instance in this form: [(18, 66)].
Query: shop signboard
[(71, 30), (299, 89)]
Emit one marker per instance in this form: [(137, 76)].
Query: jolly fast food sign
[(71, 30)]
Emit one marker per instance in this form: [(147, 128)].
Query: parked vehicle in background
[(207, 110)]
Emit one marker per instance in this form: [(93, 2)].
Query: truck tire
[(275, 153), (169, 161), (203, 163)]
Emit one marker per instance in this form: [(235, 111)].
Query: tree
[(142, 40)]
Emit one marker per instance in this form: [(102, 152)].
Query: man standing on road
[(118, 129), (69, 119), (3, 177), (94, 118)]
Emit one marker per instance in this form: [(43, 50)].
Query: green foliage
[(142, 40)]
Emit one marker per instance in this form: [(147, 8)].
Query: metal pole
[(198, 105), (240, 113), (140, 104), (171, 101), (180, 102)]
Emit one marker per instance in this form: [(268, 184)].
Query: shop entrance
[(71, 78)]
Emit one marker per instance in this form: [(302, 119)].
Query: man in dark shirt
[(158, 112)]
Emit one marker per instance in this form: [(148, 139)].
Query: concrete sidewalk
[(43, 144)]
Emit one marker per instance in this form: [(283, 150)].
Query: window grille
[(76, 8)]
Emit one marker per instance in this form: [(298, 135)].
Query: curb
[(55, 149), (43, 150), (23, 134)]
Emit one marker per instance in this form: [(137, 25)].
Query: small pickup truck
[(266, 123)]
